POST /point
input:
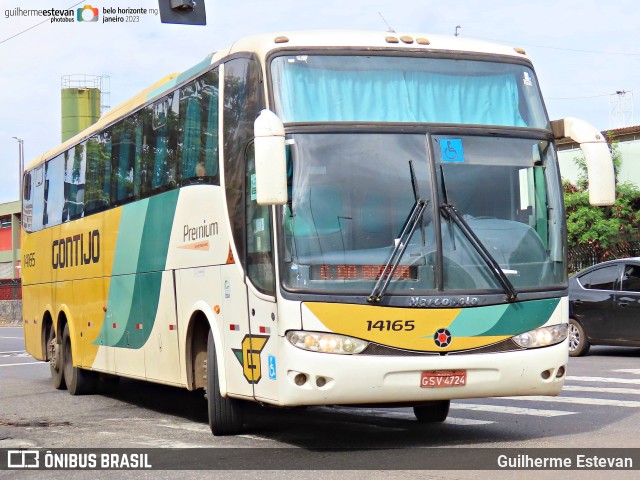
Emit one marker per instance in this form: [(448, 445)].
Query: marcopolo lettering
[(429, 302), (75, 251)]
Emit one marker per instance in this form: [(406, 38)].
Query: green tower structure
[(81, 103)]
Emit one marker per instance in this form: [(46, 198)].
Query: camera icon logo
[(23, 459), (88, 14)]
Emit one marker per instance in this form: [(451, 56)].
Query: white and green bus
[(312, 218)]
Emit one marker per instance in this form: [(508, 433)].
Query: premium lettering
[(206, 230)]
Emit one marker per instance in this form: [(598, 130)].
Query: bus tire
[(578, 343), (225, 413), (432, 412), (79, 381), (54, 355)]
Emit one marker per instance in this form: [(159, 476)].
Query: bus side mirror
[(602, 190), (271, 160)]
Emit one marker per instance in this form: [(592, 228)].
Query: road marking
[(512, 410), (184, 426), (14, 338), (580, 388), (582, 401), (384, 413), (633, 381), (24, 363), (634, 371), (467, 421), (13, 351)]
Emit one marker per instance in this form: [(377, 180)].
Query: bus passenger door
[(263, 355)]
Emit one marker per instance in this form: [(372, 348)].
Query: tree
[(600, 228)]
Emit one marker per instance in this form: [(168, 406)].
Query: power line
[(34, 26), (559, 48), (576, 98)]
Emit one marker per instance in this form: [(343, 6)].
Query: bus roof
[(263, 44)]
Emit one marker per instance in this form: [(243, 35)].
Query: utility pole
[(621, 109), (457, 27)]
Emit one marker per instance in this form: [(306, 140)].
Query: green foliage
[(600, 227)]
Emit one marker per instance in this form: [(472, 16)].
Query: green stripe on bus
[(145, 231), (498, 320)]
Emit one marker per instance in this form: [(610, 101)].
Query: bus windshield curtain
[(314, 95)]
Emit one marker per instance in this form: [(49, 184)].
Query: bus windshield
[(351, 194), (357, 88)]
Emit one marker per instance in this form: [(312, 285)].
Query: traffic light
[(186, 12)]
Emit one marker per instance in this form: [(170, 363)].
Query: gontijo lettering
[(76, 250)]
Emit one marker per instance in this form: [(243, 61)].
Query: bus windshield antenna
[(391, 30)]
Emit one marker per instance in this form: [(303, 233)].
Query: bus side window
[(242, 103), (165, 127), (190, 125), (38, 198), (123, 154), (27, 202), (74, 182), (98, 173), (53, 191), (209, 153), (199, 129)]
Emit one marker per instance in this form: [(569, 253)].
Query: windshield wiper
[(451, 213), (414, 218)]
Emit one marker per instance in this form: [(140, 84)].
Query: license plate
[(443, 378)]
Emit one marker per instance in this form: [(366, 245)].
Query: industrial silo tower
[(84, 97)]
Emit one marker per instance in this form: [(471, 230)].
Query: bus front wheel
[(78, 381), (225, 413), (432, 412)]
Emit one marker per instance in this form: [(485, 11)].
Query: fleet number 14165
[(391, 325)]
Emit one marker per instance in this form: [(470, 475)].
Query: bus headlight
[(326, 342), (543, 336)]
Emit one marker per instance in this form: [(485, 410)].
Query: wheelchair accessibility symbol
[(271, 360), (451, 150)]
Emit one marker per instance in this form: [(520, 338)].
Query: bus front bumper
[(310, 378)]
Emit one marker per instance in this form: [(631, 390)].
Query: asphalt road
[(600, 407)]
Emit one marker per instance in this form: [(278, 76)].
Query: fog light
[(321, 382), (546, 374), (300, 379), (561, 372)]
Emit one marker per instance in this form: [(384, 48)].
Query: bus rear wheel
[(54, 355), (78, 381), (432, 412), (225, 413)]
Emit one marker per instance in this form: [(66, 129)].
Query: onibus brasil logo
[(87, 14)]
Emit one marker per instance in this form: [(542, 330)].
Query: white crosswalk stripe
[(614, 390), (511, 410), (630, 381), (582, 401), (578, 390), (385, 413)]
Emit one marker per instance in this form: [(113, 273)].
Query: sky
[(584, 51)]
